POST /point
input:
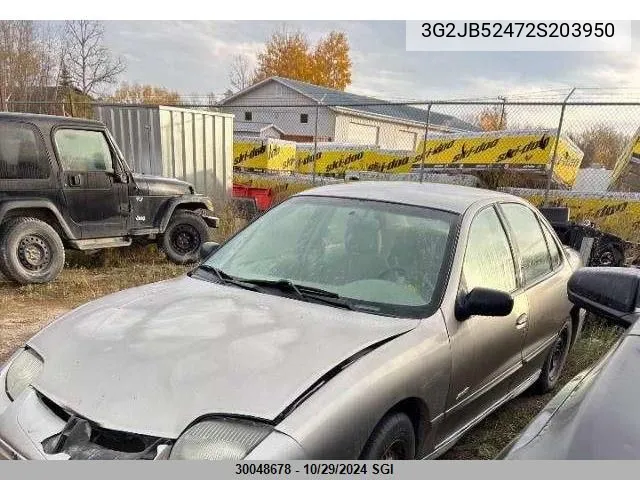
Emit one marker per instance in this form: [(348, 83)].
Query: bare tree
[(30, 60), (240, 76), (90, 64)]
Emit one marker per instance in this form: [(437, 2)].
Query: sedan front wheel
[(393, 439)]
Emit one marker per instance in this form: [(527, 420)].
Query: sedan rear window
[(530, 240), (385, 258)]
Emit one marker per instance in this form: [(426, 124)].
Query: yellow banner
[(278, 186), (522, 150), (331, 161), (631, 153), (532, 150), (390, 162), (618, 216), (265, 155)]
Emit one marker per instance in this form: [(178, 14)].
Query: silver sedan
[(355, 321)]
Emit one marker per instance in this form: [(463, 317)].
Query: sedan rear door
[(544, 275)]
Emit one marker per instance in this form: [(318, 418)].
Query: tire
[(555, 361), (608, 255), (184, 236), (393, 439), (30, 251)]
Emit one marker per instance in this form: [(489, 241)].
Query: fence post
[(502, 112), (315, 140), (424, 143), (555, 148), (315, 145)]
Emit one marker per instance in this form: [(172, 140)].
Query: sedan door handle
[(522, 320)]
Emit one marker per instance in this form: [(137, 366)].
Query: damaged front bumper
[(209, 218), (33, 428)]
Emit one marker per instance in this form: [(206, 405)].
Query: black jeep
[(65, 184)]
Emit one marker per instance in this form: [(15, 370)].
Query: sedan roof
[(453, 198)]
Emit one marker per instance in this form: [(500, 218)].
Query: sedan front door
[(486, 351)]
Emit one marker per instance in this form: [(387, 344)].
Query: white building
[(291, 106), (256, 129)]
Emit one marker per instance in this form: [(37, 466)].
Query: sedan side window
[(554, 249), (488, 261), (530, 240)]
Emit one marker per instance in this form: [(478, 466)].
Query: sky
[(195, 56)]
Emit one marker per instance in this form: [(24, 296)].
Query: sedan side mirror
[(610, 292), (486, 302), (207, 248)]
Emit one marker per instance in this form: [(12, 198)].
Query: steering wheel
[(393, 273)]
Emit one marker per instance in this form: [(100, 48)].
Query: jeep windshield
[(383, 258)]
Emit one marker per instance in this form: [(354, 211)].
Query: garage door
[(362, 134), (406, 140)]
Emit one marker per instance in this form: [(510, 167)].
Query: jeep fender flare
[(194, 202), (7, 207)]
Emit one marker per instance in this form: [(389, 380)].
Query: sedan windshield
[(383, 258)]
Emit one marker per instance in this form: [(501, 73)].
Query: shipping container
[(192, 145)]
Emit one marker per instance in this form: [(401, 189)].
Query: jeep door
[(97, 200)]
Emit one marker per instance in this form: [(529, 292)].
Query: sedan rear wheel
[(556, 359), (393, 439)]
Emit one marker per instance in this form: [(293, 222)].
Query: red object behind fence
[(262, 196)]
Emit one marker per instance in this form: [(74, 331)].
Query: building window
[(304, 118), (248, 116)]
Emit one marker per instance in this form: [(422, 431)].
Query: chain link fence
[(570, 150)]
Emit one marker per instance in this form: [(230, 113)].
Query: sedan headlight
[(24, 369), (219, 439)]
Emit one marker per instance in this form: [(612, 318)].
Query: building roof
[(253, 127), (359, 104), (453, 198)]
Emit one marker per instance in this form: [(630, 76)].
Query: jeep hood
[(152, 359), (153, 186)]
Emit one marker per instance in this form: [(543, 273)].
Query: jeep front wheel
[(184, 235), (30, 251)]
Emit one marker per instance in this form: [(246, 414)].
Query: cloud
[(195, 56)]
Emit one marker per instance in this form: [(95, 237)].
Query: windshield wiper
[(225, 278), (304, 292)]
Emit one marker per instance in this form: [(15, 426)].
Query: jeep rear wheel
[(30, 251), (184, 236)]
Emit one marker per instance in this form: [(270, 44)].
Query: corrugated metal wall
[(137, 131), (197, 146), (193, 145)]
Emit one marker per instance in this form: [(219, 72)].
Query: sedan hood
[(152, 359)]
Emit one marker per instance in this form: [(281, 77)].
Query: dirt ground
[(27, 309)]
